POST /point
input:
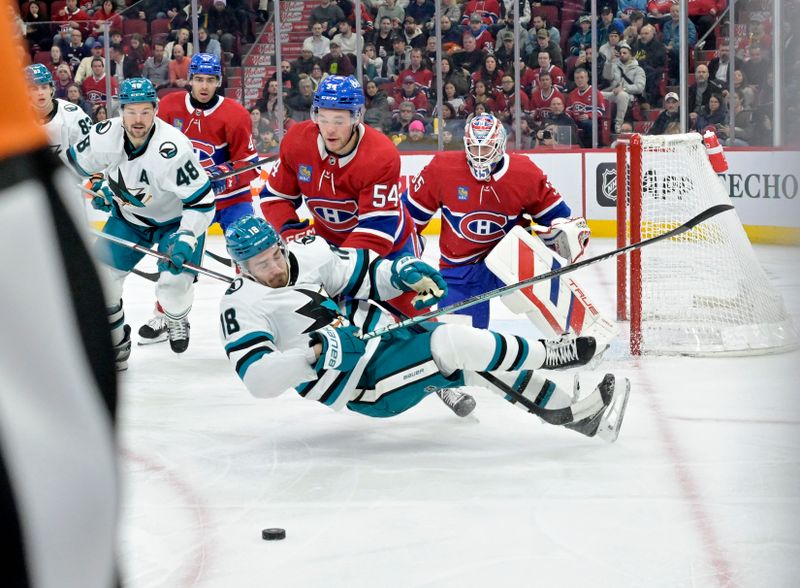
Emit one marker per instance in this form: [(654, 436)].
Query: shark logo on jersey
[(101, 128), (320, 309), (304, 173), (70, 108), (168, 150), (122, 192), (462, 193)]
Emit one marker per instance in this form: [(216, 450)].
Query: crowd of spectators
[(148, 38), (636, 62)]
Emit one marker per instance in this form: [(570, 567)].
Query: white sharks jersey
[(159, 183), (266, 330), (67, 125)]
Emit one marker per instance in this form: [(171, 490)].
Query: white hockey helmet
[(485, 144)]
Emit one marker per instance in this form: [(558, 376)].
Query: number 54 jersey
[(353, 198), (154, 184)]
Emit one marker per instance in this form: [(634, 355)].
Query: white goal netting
[(703, 292)]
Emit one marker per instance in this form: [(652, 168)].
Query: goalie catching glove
[(341, 348), (180, 248), (566, 236), (410, 274)]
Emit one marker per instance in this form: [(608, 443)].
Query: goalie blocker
[(555, 306)]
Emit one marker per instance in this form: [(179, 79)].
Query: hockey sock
[(479, 350), (536, 388), (116, 319)]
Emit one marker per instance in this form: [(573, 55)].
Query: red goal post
[(704, 292)]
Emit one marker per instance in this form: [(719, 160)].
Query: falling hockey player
[(486, 197), (329, 164), (281, 329), (156, 193)]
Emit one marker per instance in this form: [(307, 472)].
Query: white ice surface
[(701, 489)]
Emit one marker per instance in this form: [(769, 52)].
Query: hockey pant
[(174, 293), (412, 362)]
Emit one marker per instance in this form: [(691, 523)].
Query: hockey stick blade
[(157, 254), (219, 258), (153, 277), (687, 226)]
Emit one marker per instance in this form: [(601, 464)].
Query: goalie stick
[(147, 251), (687, 226)]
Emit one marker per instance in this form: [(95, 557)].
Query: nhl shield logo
[(304, 173), (606, 184)]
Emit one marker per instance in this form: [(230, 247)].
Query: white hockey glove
[(410, 274), (566, 236), (341, 348)]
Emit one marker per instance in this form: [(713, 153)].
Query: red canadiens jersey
[(541, 101), (354, 199), (476, 215), (579, 103), (220, 134)]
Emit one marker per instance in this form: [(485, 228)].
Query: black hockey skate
[(569, 351), (460, 403), (154, 330), (122, 351), (178, 331), (606, 422)]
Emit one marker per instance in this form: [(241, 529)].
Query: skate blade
[(614, 414), (160, 339)]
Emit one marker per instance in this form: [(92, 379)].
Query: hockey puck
[(273, 534)]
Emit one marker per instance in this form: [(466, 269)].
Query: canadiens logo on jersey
[(481, 226), (205, 153), (304, 173), (339, 216)]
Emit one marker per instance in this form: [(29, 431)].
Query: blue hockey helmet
[(339, 93), (38, 74), (136, 91), (205, 64), (248, 236)]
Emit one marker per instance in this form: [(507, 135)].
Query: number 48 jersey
[(153, 185), (353, 198)]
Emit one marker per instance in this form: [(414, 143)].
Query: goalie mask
[(485, 144)]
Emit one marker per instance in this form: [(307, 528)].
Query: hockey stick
[(161, 256), (152, 277), (220, 258), (687, 226), (554, 416), (241, 170)]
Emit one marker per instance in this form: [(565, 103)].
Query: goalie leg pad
[(555, 306)]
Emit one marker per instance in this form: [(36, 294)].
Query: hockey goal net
[(703, 292)]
